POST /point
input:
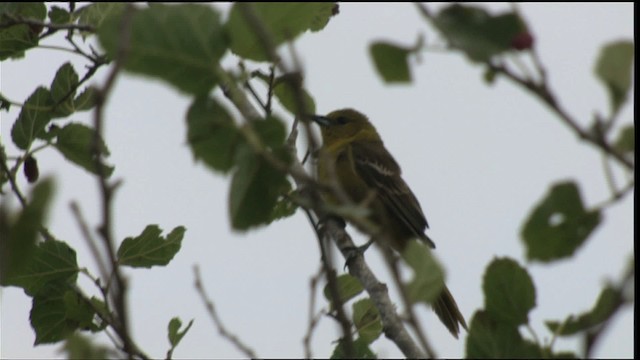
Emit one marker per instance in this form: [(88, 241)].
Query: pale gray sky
[(477, 157)]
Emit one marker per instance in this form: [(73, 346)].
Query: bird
[(353, 154)]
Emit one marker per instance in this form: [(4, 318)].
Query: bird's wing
[(381, 172)]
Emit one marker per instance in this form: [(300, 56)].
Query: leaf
[(509, 293), (282, 21), (48, 315), (255, 189), (58, 15), (366, 319), (86, 100), (283, 208), (477, 33), (271, 131), (15, 39), (559, 224), (613, 68), (57, 311), (604, 308), (348, 288), (626, 142), (428, 278), (33, 118), (284, 91), (212, 134), (18, 240), (52, 261), (95, 14), (391, 62), (492, 339), (63, 90), (77, 309), (179, 44), (360, 347), (77, 346), (175, 335), (149, 248), (75, 143)]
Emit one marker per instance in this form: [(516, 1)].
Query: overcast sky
[(477, 157)]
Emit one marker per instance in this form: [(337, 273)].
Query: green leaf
[(102, 311), (149, 248), (360, 347), (15, 39), (27, 10), (604, 308), (86, 100), (255, 189), (58, 15), (63, 90), (492, 339), (614, 68), (175, 335), (559, 224), (212, 134), (77, 346), (284, 91), (282, 21), (95, 14), (18, 240), (428, 278), (48, 315), (179, 44), (75, 142), (52, 261), (271, 131), (348, 288), (33, 118), (626, 142), (509, 293), (284, 208), (78, 309), (391, 62), (366, 319), (477, 33), (57, 311)]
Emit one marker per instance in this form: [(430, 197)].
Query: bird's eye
[(341, 120)]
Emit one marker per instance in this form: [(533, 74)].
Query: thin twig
[(314, 317), (393, 327), (392, 262), (89, 239), (246, 350), (118, 295), (593, 336), (9, 20), (44, 232), (543, 92), (336, 300)]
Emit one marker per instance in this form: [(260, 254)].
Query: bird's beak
[(321, 120)]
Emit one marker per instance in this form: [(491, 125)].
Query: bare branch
[(314, 317), (118, 295), (9, 20), (216, 320)]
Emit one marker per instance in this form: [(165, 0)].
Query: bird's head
[(345, 124)]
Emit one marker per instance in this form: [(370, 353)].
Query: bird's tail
[(447, 310)]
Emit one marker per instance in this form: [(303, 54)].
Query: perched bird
[(354, 155)]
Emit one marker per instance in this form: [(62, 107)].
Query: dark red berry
[(522, 41), (30, 169)]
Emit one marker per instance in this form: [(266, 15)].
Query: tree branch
[(216, 320)]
